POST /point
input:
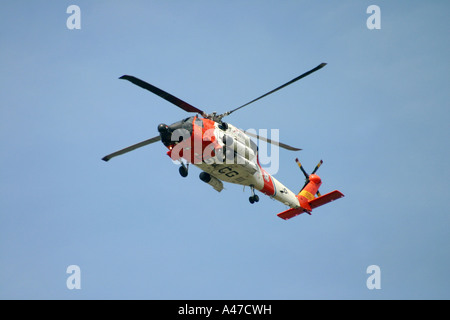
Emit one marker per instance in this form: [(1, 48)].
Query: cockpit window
[(185, 124)]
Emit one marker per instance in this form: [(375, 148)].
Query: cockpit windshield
[(183, 124)]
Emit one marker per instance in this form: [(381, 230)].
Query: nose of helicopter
[(165, 134), (163, 128)]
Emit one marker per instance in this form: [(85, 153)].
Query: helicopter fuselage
[(225, 153)]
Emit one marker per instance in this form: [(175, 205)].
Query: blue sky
[(377, 115)]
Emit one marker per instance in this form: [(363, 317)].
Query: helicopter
[(225, 153)]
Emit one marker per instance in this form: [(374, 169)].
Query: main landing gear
[(254, 197)]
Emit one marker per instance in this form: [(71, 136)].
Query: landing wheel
[(253, 199), (183, 171)]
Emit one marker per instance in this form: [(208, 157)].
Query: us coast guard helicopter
[(225, 153)]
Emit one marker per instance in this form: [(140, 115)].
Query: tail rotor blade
[(317, 167), (301, 168), (306, 183), (304, 173)]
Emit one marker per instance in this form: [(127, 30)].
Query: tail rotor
[(307, 196), (307, 180)]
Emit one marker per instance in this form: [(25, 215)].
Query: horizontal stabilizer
[(326, 198), (293, 212), (316, 202)]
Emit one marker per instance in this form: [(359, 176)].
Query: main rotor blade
[(131, 148), (165, 95), (320, 66), (285, 146)]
